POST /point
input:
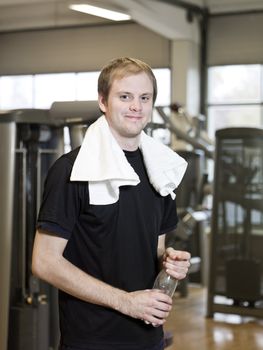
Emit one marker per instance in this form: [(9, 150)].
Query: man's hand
[(176, 263), (151, 306)]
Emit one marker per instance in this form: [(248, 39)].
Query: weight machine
[(236, 284), (195, 148), (31, 140)]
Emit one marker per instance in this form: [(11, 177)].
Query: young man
[(102, 222)]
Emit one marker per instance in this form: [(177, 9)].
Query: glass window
[(234, 84), (234, 97), (163, 78), (16, 92), (233, 116), (41, 90), (54, 87), (87, 86)]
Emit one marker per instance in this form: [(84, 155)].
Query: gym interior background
[(208, 59)]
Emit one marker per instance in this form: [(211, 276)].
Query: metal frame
[(254, 136), (7, 174)]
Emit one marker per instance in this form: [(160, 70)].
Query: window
[(86, 86), (16, 92), (41, 90), (53, 87), (235, 97)]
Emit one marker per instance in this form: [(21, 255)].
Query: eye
[(125, 97), (146, 98)]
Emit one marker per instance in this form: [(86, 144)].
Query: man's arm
[(161, 246), (49, 264)]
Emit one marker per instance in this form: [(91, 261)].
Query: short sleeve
[(62, 198), (170, 218), (53, 229)]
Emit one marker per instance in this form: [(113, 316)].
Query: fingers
[(177, 269), (156, 317), (177, 254), (151, 306), (159, 309), (176, 263)]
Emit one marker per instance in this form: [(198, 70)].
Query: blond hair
[(119, 68)]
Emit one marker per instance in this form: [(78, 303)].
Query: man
[(101, 225)]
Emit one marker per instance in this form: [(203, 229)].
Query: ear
[(102, 103)]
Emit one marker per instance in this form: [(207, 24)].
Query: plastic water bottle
[(166, 283)]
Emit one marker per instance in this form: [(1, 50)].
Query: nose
[(136, 105)]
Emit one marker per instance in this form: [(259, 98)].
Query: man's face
[(129, 106)]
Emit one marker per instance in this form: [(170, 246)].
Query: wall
[(235, 39), (79, 49)]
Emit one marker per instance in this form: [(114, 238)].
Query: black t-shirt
[(116, 243)]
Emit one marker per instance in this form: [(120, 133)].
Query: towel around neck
[(102, 163)]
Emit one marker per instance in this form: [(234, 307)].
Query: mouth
[(133, 117)]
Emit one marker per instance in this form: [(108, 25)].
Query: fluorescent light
[(100, 12)]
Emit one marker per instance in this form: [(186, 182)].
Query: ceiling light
[(100, 12)]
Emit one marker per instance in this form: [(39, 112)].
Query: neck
[(128, 144), (125, 143)]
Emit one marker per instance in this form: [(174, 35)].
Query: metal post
[(7, 174)]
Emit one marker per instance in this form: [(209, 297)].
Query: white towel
[(102, 163), (165, 168)]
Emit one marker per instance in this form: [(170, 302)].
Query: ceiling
[(19, 15)]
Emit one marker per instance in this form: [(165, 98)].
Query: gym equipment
[(186, 128), (235, 278), (197, 147), (31, 140)]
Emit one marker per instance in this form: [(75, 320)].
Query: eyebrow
[(131, 93)]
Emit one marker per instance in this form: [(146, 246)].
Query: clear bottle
[(166, 283)]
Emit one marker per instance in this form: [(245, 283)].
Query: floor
[(191, 329)]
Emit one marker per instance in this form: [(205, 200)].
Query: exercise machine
[(235, 283), (31, 140)]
